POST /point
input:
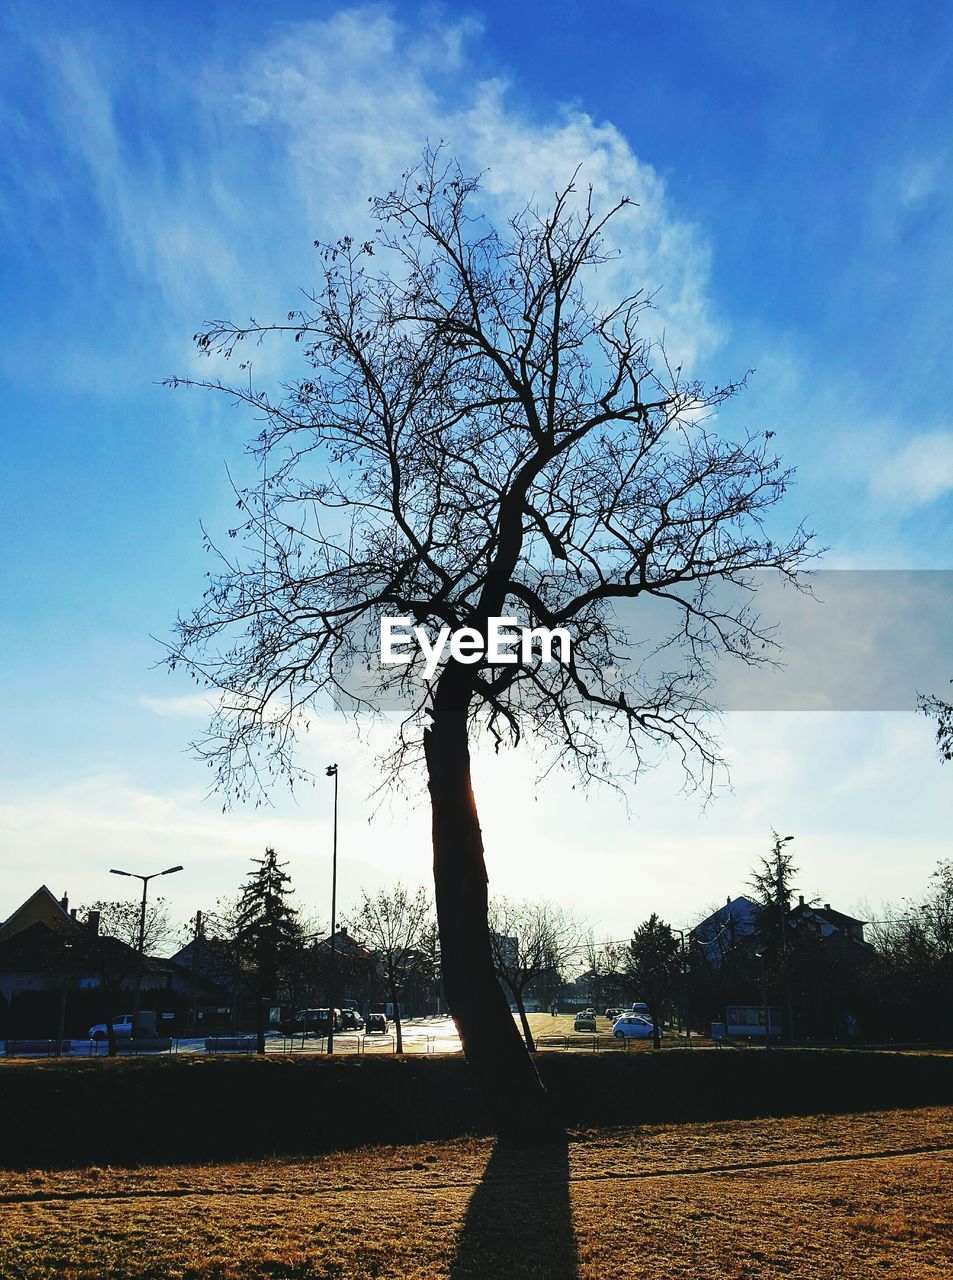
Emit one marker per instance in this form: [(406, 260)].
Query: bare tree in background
[(473, 438), (529, 940), (395, 928), (120, 919), (605, 964)]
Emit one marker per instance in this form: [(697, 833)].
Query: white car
[(631, 1024)]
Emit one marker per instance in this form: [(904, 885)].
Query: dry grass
[(845, 1197)]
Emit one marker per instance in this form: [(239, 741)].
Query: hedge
[(154, 1110)]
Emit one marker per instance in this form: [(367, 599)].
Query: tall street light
[(332, 772), (134, 875)]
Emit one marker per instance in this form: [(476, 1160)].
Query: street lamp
[(332, 772), (683, 966), (765, 1011), (135, 875)]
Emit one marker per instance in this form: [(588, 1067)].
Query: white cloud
[(209, 207), (918, 473), (183, 706)]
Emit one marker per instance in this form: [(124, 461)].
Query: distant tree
[(121, 920), (472, 438), (913, 974), (266, 930), (395, 927), (942, 713), (773, 889), (606, 976), (654, 964), (529, 941)]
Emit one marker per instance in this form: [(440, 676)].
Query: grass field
[(845, 1197)]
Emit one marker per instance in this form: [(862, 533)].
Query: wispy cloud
[(918, 473), (200, 189)]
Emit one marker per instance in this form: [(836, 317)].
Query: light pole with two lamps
[(135, 875)]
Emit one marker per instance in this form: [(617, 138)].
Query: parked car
[(633, 1026), (613, 1013), (641, 1009), (376, 1023), (314, 1022), (584, 1022), (123, 1025), (350, 1020)]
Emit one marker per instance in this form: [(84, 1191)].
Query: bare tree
[(942, 712), (120, 919), (395, 929), (605, 964), (472, 438), (528, 941)]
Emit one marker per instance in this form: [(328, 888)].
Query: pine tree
[(654, 964), (267, 929)]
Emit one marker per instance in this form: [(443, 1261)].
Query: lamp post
[(765, 1011), (135, 875), (67, 948), (683, 974), (332, 772)]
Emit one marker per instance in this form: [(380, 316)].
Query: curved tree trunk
[(505, 1073), (524, 1021)]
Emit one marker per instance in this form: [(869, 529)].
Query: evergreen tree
[(773, 887), (655, 966), (267, 930)]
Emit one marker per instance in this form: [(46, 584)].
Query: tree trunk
[(524, 1021), (399, 1048), (505, 1073), (260, 1024)]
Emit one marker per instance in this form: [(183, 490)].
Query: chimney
[(800, 898), (64, 902), (827, 906), (728, 901), (72, 913), (92, 923)]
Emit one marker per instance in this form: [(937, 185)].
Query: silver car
[(632, 1025)]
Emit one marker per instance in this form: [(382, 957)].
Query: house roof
[(40, 949), (838, 919), (742, 911), (40, 907)]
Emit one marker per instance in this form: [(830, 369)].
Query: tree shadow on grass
[(518, 1222)]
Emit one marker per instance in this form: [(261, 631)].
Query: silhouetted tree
[(654, 964), (529, 941), (267, 931), (913, 972), (773, 886), (120, 919), (394, 927), (472, 437), (942, 713)]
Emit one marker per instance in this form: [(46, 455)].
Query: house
[(731, 928), (826, 922), (51, 962)]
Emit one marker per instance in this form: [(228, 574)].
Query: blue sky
[(168, 164)]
